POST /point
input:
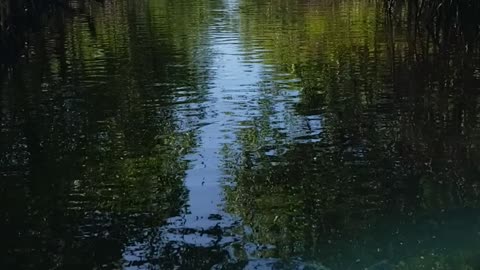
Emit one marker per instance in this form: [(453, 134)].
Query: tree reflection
[(98, 116), (95, 125), (393, 172)]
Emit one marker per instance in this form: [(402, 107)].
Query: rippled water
[(238, 134)]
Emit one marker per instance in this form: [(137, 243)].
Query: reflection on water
[(239, 134)]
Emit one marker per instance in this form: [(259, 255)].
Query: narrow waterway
[(238, 134)]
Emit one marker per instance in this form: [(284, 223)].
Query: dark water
[(238, 134)]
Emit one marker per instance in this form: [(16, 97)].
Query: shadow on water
[(20, 19), (92, 150), (244, 134), (440, 23)]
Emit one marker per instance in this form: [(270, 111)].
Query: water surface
[(238, 134)]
